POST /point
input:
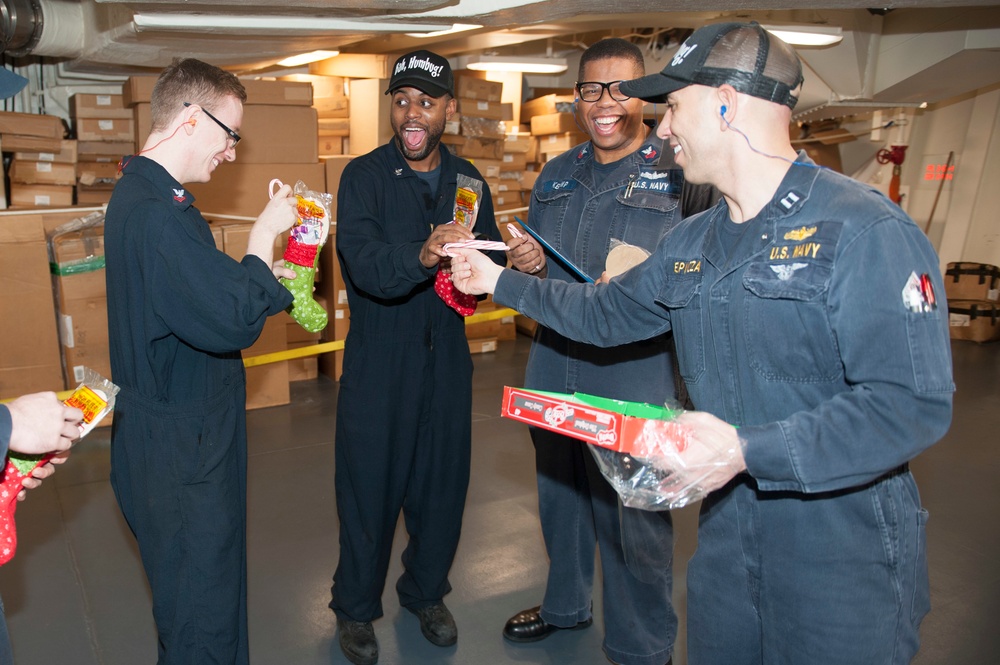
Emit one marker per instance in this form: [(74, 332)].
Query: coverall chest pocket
[(789, 337), (681, 295), (643, 217), (553, 197)]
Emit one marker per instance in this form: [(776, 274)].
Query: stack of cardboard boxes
[(553, 122), (105, 130), (36, 177), (973, 291)]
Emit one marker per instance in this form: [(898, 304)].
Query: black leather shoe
[(357, 641), (529, 626), (437, 624)]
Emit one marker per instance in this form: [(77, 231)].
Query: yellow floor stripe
[(327, 347)]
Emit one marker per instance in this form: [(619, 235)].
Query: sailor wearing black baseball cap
[(423, 70)]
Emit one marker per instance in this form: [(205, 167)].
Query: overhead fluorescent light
[(458, 27), (306, 58), (271, 25), (504, 63), (807, 35)]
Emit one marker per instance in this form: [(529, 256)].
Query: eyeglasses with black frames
[(592, 91), (234, 138)]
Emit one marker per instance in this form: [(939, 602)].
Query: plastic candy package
[(467, 198), (673, 462), (95, 397), (305, 241), (655, 457)]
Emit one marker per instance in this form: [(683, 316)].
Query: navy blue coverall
[(404, 411), (179, 311)]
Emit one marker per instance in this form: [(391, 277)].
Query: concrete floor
[(75, 593)]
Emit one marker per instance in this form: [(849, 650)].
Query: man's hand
[(472, 272), (44, 471), (42, 424), (689, 457), (433, 252), (278, 216), (280, 270), (526, 256)]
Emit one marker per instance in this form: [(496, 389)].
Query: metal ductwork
[(22, 24), (41, 27)]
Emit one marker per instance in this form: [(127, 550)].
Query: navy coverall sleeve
[(206, 298), (379, 265), (591, 313), (6, 430), (896, 362)]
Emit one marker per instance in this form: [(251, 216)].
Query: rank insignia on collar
[(398, 171), (649, 153), (179, 195)]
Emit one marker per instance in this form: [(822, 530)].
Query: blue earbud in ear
[(723, 110)]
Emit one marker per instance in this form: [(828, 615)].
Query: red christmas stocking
[(463, 303)]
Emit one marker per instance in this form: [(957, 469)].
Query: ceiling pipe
[(51, 28)]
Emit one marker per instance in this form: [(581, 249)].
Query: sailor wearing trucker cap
[(804, 312)]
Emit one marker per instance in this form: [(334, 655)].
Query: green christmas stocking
[(302, 255)]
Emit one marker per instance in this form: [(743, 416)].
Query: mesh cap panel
[(744, 55), (754, 62)]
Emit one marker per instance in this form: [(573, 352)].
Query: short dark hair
[(194, 81), (614, 47)]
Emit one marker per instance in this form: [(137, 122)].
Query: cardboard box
[(546, 104), (554, 144), (974, 320), (139, 90), (485, 345), (329, 146), (334, 127), (76, 250), (478, 108), (469, 86), (105, 129), (514, 161), (93, 174), (472, 147), (972, 281), (30, 361), (334, 167), (608, 423), (97, 195), (488, 168), (329, 94), (20, 143), (31, 196), (553, 123), (65, 155), (267, 385), (369, 122), (104, 151), (44, 173), (242, 189), (518, 143), (98, 106), (32, 124), (269, 133), (482, 127)]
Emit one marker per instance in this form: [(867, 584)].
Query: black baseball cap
[(744, 55), (425, 71), (10, 83)]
